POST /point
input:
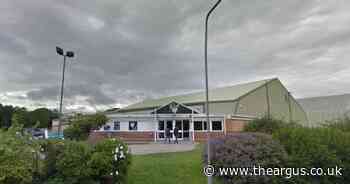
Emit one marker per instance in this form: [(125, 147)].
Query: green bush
[(342, 124), (72, 162), (18, 157), (316, 148), (246, 150), (267, 125), (81, 126), (51, 148), (110, 158)]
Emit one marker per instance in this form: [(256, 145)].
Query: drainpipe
[(268, 101), (156, 125), (224, 125), (192, 125), (290, 108)]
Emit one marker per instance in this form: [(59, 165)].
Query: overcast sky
[(127, 51)]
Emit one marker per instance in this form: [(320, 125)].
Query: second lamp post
[(65, 55), (207, 85)]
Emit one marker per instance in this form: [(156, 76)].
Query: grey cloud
[(95, 95), (127, 51)]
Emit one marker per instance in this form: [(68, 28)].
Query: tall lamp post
[(69, 54), (210, 179)]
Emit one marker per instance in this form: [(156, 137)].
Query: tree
[(1, 116), (7, 112), (54, 114), (20, 116), (27, 118), (81, 125), (41, 115)]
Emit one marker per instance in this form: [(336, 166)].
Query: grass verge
[(168, 168)]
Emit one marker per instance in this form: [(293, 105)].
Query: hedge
[(246, 150), (317, 148), (72, 162), (268, 125)]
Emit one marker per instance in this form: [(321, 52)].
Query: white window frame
[(202, 122), (137, 126), (103, 128), (115, 130), (222, 126)]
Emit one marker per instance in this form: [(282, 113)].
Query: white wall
[(142, 125)]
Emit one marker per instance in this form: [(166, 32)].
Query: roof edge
[(262, 85), (199, 102)]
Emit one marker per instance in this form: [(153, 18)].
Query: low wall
[(235, 125)]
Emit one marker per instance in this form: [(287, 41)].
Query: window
[(186, 125), (169, 124), (178, 124), (160, 125), (133, 125), (198, 125), (205, 125), (216, 125), (106, 127), (116, 125)]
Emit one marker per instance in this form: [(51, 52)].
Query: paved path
[(144, 149)]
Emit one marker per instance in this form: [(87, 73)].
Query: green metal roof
[(229, 93)]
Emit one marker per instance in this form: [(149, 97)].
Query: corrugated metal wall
[(281, 105), (279, 100), (222, 107), (253, 104)]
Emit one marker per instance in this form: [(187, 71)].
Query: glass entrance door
[(183, 126), (169, 124), (178, 124), (186, 129), (161, 130), (162, 125)]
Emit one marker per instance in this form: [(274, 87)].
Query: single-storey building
[(229, 107)]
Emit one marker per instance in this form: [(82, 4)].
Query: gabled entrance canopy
[(175, 108)]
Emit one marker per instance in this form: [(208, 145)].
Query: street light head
[(70, 54), (59, 51)]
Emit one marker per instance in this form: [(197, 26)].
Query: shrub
[(72, 162), (18, 157), (110, 158), (74, 132), (342, 124), (267, 125), (81, 126), (316, 148), (246, 150), (51, 148), (54, 180)]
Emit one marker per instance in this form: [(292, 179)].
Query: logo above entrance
[(174, 108)]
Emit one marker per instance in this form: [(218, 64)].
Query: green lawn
[(168, 168)]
